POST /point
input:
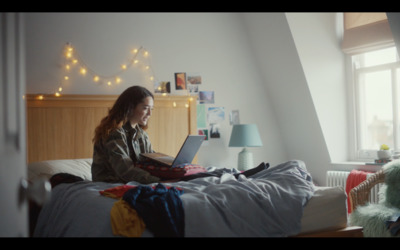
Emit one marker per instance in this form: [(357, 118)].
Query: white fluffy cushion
[(77, 167)]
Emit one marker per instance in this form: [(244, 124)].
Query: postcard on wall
[(206, 97), (234, 117), (180, 81), (215, 130), (193, 89), (215, 114), (201, 116), (194, 78), (203, 131)]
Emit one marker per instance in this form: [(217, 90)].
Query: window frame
[(359, 154)]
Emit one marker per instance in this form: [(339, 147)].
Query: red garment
[(354, 179), (116, 192)]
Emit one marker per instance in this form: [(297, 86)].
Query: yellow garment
[(125, 221)]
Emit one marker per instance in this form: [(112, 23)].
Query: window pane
[(376, 110), (380, 57)]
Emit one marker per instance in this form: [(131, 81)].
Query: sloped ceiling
[(279, 64)]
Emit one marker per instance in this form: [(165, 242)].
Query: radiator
[(338, 178)]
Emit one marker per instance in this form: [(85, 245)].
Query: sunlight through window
[(377, 91)]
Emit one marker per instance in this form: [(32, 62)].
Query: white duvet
[(267, 204)]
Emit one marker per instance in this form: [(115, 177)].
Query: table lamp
[(245, 135)]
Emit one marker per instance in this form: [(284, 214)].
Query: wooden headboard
[(63, 127)]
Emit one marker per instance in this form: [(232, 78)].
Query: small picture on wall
[(193, 82), (234, 117), (162, 87), (194, 78), (206, 96), (203, 132), (193, 89), (180, 81), (216, 114), (214, 130)]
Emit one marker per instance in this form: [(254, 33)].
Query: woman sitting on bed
[(120, 138)]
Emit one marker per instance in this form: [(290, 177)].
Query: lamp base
[(245, 160)]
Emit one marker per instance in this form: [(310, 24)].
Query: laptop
[(185, 155)]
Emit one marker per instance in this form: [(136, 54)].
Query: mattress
[(326, 210)]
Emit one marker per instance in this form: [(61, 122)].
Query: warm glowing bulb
[(146, 53), (66, 77), (134, 51), (83, 71), (187, 105), (136, 61), (123, 66), (174, 104), (67, 67), (69, 54), (96, 78), (109, 83), (151, 78), (40, 97), (59, 89), (57, 94), (147, 67), (117, 80)]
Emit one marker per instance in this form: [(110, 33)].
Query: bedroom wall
[(318, 38), (296, 75), (213, 44)]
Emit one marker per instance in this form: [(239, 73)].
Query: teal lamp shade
[(245, 135)]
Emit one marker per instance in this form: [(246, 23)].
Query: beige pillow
[(77, 167)]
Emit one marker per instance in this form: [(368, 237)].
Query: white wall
[(214, 44), (317, 39), (293, 74)]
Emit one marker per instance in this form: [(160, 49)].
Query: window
[(377, 101)]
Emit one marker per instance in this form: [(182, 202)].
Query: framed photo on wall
[(180, 81)]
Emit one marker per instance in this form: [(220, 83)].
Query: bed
[(213, 206), (280, 201)]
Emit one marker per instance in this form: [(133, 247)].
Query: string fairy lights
[(72, 60)]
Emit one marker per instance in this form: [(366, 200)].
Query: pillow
[(77, 167), (166, 173)]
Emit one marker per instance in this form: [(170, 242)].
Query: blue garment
[(160, 208), (393, 224)]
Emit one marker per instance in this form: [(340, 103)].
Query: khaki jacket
[(115, 159)]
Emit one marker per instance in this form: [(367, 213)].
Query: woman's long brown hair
[(120, 112)]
